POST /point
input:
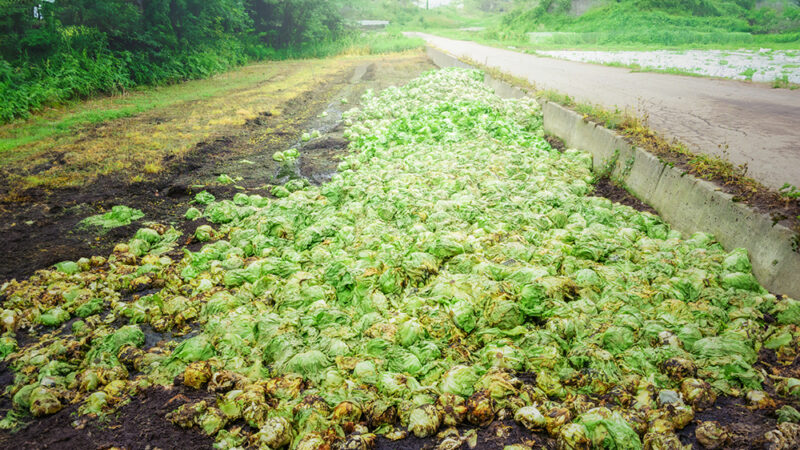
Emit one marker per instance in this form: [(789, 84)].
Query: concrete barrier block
[(643, 171)]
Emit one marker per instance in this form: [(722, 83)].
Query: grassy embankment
[(140, 129), (627, 25)]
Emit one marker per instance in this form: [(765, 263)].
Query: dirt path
[(746, 123)]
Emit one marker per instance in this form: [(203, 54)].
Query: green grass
[(388, 42), (634, 24), (370, 43), (138, 133), (748, 74), (675, 23), (70, 77), (593, 41)]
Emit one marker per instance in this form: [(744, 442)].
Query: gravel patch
[(758, 65)]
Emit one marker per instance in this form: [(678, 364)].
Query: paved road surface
[(759, 125)]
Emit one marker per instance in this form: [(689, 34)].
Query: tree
[(285, 23)]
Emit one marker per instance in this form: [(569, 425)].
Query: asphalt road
[(746, 123)]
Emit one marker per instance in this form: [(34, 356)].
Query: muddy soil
[(40, 227), (138, 425), (746, 424), (606, 187), (610, 190), (495, 436)]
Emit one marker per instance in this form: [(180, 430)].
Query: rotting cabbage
[(120, 215), (456, 269)]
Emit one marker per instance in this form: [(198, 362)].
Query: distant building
[(38, 10), (430, 4), (373, 24)]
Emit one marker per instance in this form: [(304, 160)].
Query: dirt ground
[(746, 123), (607, 188), (138, 425), (747, 425)]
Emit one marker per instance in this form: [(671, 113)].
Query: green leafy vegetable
[(119, 216)]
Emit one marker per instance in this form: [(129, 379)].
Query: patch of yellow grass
[(152, 168), (203, 110), (357, 50)]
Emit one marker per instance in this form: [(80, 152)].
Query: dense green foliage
[(52, 52), (400, 12), (671, 22)]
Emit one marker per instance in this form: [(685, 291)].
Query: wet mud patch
[(555, 142), (608, 189), (496, 435), (139, 424), (782, 367), (508, 432), (745, 426), (6, 379), (605, 187), (319, 160)]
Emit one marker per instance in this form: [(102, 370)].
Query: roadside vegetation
[(54, 52), (627, 24), (674, 23)]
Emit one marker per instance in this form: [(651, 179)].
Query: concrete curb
[(687, 203)]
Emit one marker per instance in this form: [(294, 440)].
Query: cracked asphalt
[(746, 123)]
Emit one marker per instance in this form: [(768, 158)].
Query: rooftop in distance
[(373, 23)]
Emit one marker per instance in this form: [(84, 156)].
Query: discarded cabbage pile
[(455, 271), (120, 215)]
